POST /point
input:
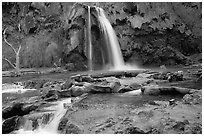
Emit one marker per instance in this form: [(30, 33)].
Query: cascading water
[(90, 55), (114, 53), (52, 127), (110, 37)]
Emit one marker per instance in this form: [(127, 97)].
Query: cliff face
[(157, 33), (148, 33)]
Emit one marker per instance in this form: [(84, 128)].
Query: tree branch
[(19, 49), (4, 33), (9, 62)]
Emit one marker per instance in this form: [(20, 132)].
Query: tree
[(16, 66)]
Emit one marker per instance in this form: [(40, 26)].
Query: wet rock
[(65, 93), (34, 83), (144, 75), (12, 110), (85, 78), (171, 77), (62, 125), (10, 125), (53, 84), (118, 74), (131, 73), (134, 130), (78, 90), (108, 74), (77, 78), (161, 76), (135, 86), (172, 102), (19, 109), (30, 107), (51, 95), (124, 89), (66, 85), (88, 79), (104, 87), (151, 90), (155, 90), (32, 122)]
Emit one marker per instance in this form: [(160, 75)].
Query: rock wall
[(148, 33)]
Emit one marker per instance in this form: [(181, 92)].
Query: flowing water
[(115, 58), (50, 128), (14, 88), (90, 55), (114, 52)]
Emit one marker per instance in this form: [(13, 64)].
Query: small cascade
[(52, 126), (90, 55)]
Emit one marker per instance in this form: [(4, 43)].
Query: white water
[(110, 36), (50, 128), (14, 88), (89, 40), (113, 47)]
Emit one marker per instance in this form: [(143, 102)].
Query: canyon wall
[(55, 33)]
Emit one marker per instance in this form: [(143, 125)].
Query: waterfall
[(52, 126), (90, 55), (115, 53), (109, 49)]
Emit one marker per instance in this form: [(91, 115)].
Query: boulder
[(77, 90), (34, 83), (155, 90), (144, 75), (161, 76), (19, 109), (65, 93), (53, 84), (131, 73), (30, 107), (177, 76), (124, 89), (10, 125), (151, 90), (104, 87), (62, 125), (51, 95), (13, 110), (135, 86), (67, 84)]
